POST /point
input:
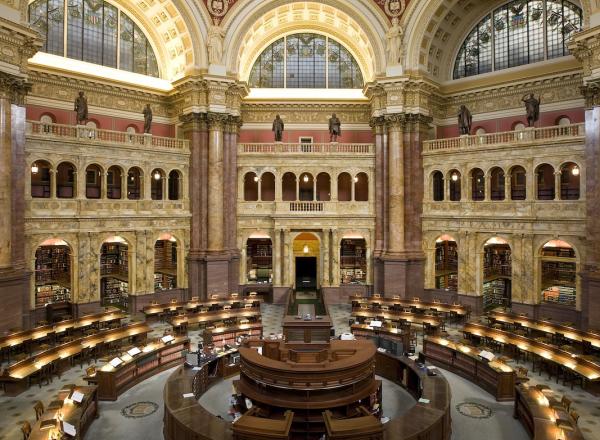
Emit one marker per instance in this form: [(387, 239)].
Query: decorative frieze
[(301, 113)]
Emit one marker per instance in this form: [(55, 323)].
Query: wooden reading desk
[(26, 337), (173, 306), (124, 371), (458, 309), (78, 414), (547, 327), (494, 376), (542, 417), (181, 322), (433, 321), (16, 377), (587, 369)]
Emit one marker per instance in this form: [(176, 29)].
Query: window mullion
[(284, 62), (493, 16), (326, 62), (545, 27), (118, 39)]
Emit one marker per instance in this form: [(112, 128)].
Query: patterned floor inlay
[(474, 410), (139, 409)]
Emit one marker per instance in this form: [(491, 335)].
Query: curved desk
[(186, 419)]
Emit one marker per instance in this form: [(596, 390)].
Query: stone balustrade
[(517, 138), (332, 148), (84, 134), (298, 208)]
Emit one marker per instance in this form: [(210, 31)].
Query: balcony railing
[(528, 135), (297, 148), (96, 135), (306, 206)]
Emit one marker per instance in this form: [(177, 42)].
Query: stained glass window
[(92, 28), (519, 32), (306, 61)]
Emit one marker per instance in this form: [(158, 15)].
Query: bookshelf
[(259, 260), (113, 292), (165, 265), (446, 265), (52, 275), (114, 259), (353, 261), (497, 262), (559, 276), (496, 293)]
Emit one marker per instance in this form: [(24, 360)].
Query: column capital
[(377, 124), (195, 120), (591, 93), (14, 88), (216, 121)]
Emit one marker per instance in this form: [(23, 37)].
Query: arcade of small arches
[(556, 261), (57, 267), (305, 186), (110, 182), (560, 182)]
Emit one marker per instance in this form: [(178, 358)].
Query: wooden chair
[(565, 404), (39, 409), (26, 430), (522, 375), (574, 415)]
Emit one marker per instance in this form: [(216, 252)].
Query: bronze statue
[(335, 128), (147, 118), (532, 106), (464, 120), (81, 108), (278, 128)]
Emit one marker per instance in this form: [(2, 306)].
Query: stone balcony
[(542, 136), (90, 208), (306, 209), (296, 149), (93, 136)]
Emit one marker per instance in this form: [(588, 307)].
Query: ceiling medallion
[(218, 8), (395, 8)]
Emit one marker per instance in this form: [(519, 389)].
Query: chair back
[(26, 430), (574, 415), (39, 409), (566, 402)]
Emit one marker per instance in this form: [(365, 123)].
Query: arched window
[(113, 183), (306, 61), (306, 187), (455, 189), (134, 184), (267, 187), (559, 273), (52, 272), (518, 183), (344, 187), (497, 184), (174, 182), (156, 184), (477, 185), (65, 181), (545, 182), (323, 187), (93, 182), (288, 187), (250, 187), (165, 262), (361, 187), (569, 181), (519, 32), (96, 31), (40, 179), (438, 186)]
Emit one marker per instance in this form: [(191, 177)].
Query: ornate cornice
[(13, 88), (302, 113), (18, 43), (591, 94)]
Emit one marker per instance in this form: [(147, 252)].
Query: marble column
[(557, 185), (326, 251), (403, 261), (14, 277), (335, 258), (196, 131), (287, 255), (277, 257), (231, 193), (590, 273), (216, 241)]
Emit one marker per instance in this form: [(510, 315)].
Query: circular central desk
[(185, 418)]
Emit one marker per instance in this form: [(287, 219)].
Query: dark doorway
[(306, 273)]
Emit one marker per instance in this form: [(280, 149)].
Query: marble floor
[(475, 414)]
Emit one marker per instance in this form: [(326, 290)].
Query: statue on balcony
[(81, 107), (335, 128), (465, 119), (532, 106), (278, 128), (147, 118)]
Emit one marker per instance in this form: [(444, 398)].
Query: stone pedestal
[(403, 276)]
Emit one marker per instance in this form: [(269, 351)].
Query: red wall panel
[(292, 136), (106, 122), (547, 119)]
